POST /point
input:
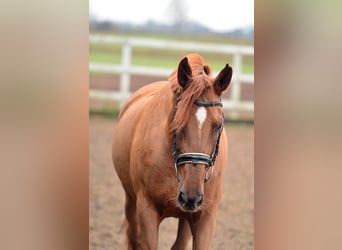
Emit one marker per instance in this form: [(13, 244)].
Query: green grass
[(104, 111), (111, 53)]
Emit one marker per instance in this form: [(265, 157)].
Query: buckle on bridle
[(207, 176)]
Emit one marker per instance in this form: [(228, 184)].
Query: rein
[(197, 158)]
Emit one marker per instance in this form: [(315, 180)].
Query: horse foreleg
[(130, 212), (183, 235), (148, 221), (203, 231)]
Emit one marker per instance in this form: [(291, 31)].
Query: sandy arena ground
[(235, 226)]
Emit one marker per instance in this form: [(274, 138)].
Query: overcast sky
[(216, 14)]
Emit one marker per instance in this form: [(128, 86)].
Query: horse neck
[(166, 100)]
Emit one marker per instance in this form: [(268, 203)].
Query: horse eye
[(218, 127)]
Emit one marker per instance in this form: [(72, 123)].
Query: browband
[(208, 104)]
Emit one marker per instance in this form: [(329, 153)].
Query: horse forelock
[(198, 85)]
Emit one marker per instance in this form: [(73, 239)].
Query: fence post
[(236, 86), (125, 74)]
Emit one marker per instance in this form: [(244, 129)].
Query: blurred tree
[(177, 11)]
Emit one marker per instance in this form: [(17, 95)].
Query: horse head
[(196, 127)]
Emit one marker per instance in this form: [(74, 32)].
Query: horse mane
[(186, 97)]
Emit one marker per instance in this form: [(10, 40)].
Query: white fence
[(125, 69)]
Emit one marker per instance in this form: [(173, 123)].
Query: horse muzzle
[(190, 202)]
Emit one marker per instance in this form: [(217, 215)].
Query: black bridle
[(197, 158)]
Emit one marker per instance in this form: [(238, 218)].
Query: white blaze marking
[(201, 115)]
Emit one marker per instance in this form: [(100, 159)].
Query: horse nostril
[(181, 199), (199, 200)]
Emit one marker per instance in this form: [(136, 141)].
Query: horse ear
[(223, 79), (184, 72)]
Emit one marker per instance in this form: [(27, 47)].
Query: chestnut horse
[(167, 142)]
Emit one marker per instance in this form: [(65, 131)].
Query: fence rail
[(125, 69)]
